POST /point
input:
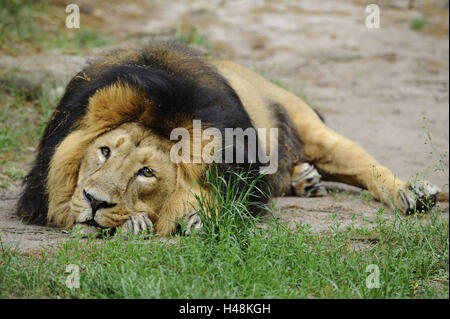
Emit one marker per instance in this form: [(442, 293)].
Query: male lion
[(104, 158)]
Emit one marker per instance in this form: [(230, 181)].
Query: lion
[(104, 158)]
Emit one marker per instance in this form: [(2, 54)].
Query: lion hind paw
[(306, 181), (420, 197)]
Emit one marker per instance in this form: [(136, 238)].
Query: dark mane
[(180, 85)]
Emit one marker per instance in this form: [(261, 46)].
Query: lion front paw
[(138, 224), (193, 222), (306, 181), (418, 197)]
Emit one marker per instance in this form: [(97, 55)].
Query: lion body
[(157, 90)]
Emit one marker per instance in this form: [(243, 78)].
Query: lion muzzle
[(96, 202)]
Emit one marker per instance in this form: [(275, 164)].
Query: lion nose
[(96, 203)]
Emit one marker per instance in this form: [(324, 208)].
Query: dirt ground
[(374, 86)]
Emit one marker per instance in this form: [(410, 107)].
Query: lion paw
[(138, 224), (193, 222), (306, 181), (418, 197)]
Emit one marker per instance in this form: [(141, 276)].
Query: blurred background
[(386, 88)]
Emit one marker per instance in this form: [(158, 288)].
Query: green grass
[(26, 22), (193, 37), (75, 40), (233, 258), (16, 22), (226, 213), (23, 115), (365, 197), (417, 23)]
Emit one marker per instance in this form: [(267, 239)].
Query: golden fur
[(118, 117), (335, 156), (75, 167)]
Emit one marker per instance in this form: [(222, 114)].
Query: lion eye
[(147, 172), (106, 151)]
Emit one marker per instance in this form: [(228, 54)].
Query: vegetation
[(191, 37), (418, 23), (234, 258), (34, 26), (23, 115)]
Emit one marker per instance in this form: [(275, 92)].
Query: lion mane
[(161, 87)]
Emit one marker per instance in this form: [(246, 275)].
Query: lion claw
[(138, 224), (418, 197), (193, 222)]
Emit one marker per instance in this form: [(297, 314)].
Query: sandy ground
[(374, 86)]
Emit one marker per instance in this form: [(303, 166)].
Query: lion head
[(91, 166), (124, 171)]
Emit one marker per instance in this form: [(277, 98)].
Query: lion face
[(123, 172)]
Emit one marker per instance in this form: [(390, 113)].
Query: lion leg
[(339, 159), (335, 157), (306, 181)]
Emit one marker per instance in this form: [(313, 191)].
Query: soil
[(374, 86)]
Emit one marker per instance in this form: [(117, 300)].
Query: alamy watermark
[(73, 17), (373, 280), (237, 146), (73, 277), (373, 17)]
